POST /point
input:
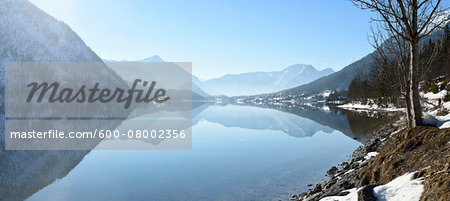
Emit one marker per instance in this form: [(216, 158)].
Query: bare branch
[(430, 16)]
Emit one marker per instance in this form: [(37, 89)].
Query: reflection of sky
[(224, 163)]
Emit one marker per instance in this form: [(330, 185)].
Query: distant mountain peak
[(154, 58), (263, 82), (327, 70), (298, 67)]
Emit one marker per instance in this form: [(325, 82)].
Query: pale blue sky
[(220, 36)]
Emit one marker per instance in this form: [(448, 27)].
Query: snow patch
[(399, 189), (443, 121), (371, 155), (349, 171), (433, 96), (326, 93), (369, 106), (431, 118), (352, 196), (325, 108)]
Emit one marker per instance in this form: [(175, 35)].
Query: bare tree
[(391, 64), (391, 56), (408, 21)]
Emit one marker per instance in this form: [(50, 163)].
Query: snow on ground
[(433, 96), (351, 170), (326, 108), (352, 196), (431, 117), (399, 189), (438, 121), (372, 106), (370, 155), (325, 93)]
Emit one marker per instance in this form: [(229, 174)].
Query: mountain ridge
[(270, 81), (341, 79), (155, 58), (251, 83)]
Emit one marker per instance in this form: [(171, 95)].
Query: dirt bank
[(424, 150)]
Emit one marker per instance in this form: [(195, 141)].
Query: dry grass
[(412, 150)]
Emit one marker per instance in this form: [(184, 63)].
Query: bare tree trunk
[(416, 110), (409, 114)]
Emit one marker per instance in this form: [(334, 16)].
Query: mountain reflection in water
[(26, 172)]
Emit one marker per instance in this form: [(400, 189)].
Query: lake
[(239, 152)]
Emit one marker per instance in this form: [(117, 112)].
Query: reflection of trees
[(364, 123), (357, 125)]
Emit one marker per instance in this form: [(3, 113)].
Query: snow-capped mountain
[(263, 82), (28, 34), (250, 83), (341, 79), (155, 58)]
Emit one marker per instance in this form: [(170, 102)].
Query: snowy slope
[(196, 88), (400, 189), (28, 34)]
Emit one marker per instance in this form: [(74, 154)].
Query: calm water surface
[(238, 153)]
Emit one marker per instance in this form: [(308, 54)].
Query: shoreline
[(343, 176), (359, 178), (369, 107)]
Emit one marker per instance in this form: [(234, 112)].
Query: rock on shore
[(387, 156)]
